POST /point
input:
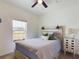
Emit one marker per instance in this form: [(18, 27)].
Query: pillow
[(45, 37)]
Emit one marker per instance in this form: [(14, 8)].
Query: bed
[(39, 49)]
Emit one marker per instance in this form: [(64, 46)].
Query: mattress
[(38, 48)]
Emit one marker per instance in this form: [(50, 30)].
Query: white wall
[(64, 13), (8, 13)]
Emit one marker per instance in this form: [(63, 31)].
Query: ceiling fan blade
[(34, 4), (44, 4)]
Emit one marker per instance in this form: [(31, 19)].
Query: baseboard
[(7, 52)]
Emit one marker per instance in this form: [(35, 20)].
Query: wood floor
[(68, 56), (61, 56)]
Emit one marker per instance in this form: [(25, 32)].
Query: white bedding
[(46, 49)]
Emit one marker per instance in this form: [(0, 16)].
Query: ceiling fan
[(40, 2)]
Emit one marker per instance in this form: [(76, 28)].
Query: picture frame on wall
[(0, 20)]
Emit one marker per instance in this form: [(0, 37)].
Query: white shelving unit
[(49, 29)]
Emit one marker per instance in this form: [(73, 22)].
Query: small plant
[(45, 34)]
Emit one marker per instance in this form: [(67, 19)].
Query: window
[(19, 30)]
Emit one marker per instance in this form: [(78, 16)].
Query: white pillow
[(45, 37)]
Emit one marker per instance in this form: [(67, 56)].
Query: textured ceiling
[(39, 9), (26, 4)]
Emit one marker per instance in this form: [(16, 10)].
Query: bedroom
[(63, 13)]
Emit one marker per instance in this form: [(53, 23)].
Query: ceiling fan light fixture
[(40, 1)]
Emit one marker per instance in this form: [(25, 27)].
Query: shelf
[(49, 30)]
